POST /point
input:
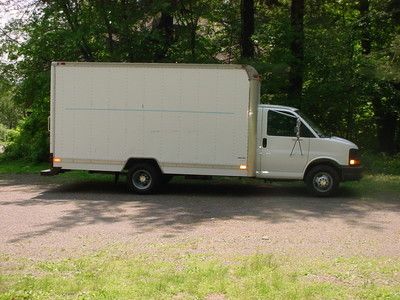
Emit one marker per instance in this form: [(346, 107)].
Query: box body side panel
[(191, 120)]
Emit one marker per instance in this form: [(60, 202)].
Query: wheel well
[(325, 162), (134, 161)]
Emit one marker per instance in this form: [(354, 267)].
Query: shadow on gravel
[(181, 206)]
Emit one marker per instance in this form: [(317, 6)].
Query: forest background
[(338, 61)]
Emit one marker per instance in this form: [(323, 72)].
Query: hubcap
[(141, 179), (322, 181)]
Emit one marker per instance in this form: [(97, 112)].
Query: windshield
[(316, 128)]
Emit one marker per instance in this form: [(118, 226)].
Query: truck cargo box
[(191, 119)]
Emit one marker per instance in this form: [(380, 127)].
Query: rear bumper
[(51, 172), (351, 173)]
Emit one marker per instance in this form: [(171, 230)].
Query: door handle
[(264, 144)]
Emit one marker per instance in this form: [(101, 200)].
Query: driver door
[(283, 155)]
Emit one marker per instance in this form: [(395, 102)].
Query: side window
[(281, 124), (305, 132)]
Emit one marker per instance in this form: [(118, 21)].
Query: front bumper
[(350, 173)]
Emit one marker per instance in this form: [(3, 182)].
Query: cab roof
[(271, 106)]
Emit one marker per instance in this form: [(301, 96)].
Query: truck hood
[(343, 141)]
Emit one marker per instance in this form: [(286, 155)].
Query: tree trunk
[(386, 123), (166, 28), (193, 29), (394, 7), (395, 12), (125, 33), (365, 27), (247, 28), (296, 73)]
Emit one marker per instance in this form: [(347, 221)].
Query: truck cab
[(291, 147)]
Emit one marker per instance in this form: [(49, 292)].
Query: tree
[(385, 91), (247, 28), (10, 113), (296, 72), (336, 60), (166, 29)]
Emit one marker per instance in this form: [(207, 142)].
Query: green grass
[(21, 167), (120, 275), (375, 186), (26, 167), (381, 164)]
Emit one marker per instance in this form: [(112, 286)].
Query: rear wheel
[(322, 181), (144, 178)]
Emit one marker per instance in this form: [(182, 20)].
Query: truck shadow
[(181, 206)]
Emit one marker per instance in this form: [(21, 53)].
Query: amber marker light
[(243, 167), (354, 157), (354, 162), (56, 160)]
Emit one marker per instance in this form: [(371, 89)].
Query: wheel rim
[(322, 181), (141, 179)]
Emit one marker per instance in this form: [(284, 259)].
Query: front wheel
[(143, 179), (322, 181)]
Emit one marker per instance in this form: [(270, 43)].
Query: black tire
[(144, 178), (322, 181)]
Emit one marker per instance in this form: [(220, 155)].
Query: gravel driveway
[(43, 219)]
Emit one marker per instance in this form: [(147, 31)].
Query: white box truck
[(153, 121)]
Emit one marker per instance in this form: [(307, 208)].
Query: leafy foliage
[(349, 92), (10, 112)]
